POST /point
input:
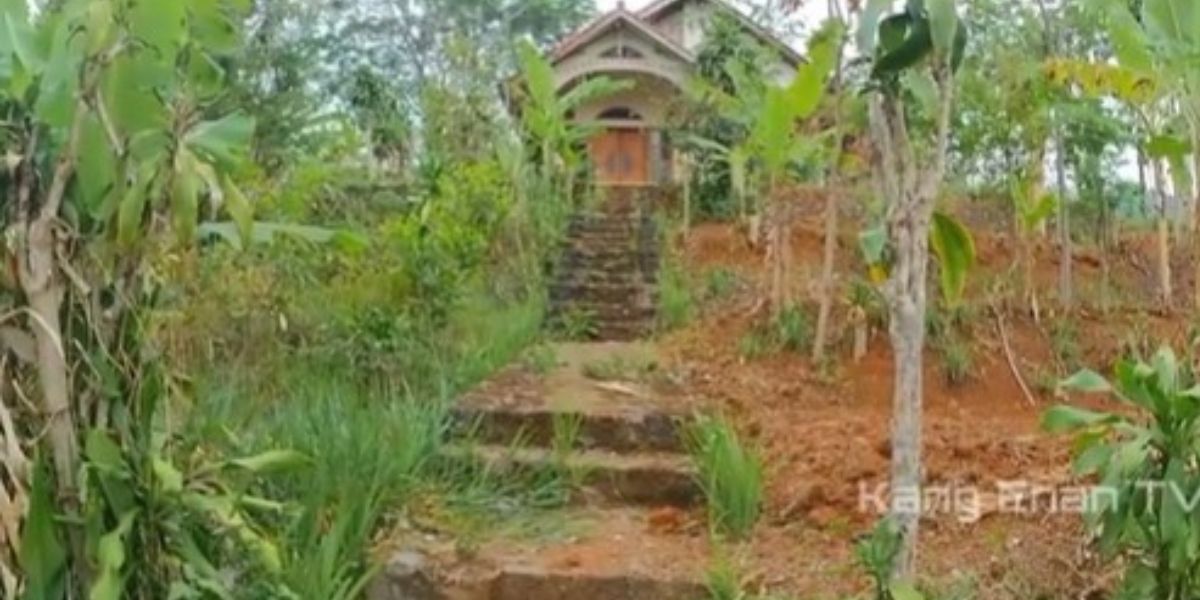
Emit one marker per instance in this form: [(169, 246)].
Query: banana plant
[(116, 149), (550, 132), (1142, 453), (1160, 42)]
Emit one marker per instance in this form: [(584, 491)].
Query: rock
[(406, 577)]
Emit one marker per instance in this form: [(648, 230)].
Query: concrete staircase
[(632, 465), (608, 274)]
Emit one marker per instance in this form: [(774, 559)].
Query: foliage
[(1143, 508), (676, 298), (730, 473), (877, 553)]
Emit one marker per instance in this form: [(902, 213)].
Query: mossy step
[(610, 478)]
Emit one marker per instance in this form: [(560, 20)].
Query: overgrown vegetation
[(730, 473), (1143, 510)]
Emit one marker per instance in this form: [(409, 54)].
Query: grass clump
[(676, 300), (791, 330), (730, 473)]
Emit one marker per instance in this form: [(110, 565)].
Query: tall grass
[(730, 473)]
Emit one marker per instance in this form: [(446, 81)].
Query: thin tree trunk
[(911, 193), (1065, 250), (829, 259), (1165, 290), (1196, 218)]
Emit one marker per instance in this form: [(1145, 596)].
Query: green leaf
[(168, 476), (239, 209), (917, 45), (185, 202), (272, 461), (161, 25), (43, 556), (1166, 146), (1173, 21), (943, 23), (1086, 381), (110, 553), (1128, 39), (21, 41), (224, 141), (905, 591), (807, 89), (1063, 418), (924, 89), (130, 215), (872, 243), (868, 24), (955, 249)]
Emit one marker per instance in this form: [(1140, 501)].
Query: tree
[(115, 152), (1160, 38), (921, 46)]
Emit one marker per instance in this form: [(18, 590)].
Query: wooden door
[(621, 157)]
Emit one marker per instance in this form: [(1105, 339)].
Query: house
[(656, 48)]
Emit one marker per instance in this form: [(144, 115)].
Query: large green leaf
[(239, 208), (1128, 38), (43, 556), (1063, 418), (868, 24), (943, 24), (917, 45), (224, 141), (1176, 22), (955, 250), (272, 461), (110, 554), (161, 25), (809, 85)]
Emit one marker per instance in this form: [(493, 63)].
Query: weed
[(730, 473), (790, 330), (957, 360), (1064, 340), (720, 284), (575, 325), (723, 582), (877, 554), (793, 329), (619, 367), (541, 359), (1125, 452), (754, 344), (676, 301), (868, 297)]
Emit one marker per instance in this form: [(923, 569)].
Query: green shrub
[(793, 329), (730, 473), (876, 554), (676, 302), (720, 284), (958, 360), (1146, 467)]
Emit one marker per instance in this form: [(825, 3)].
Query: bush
[(676, 302), (791, 330), (730, 474), (1144, 509)]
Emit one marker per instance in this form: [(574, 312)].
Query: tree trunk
[(907, 304), (911, 193), (1065, 291), (1165, 289), (1196, 219), (829, 262)]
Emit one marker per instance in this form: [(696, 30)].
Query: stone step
[(656, 566), (623, 430), (622, 293), (610, 478)]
